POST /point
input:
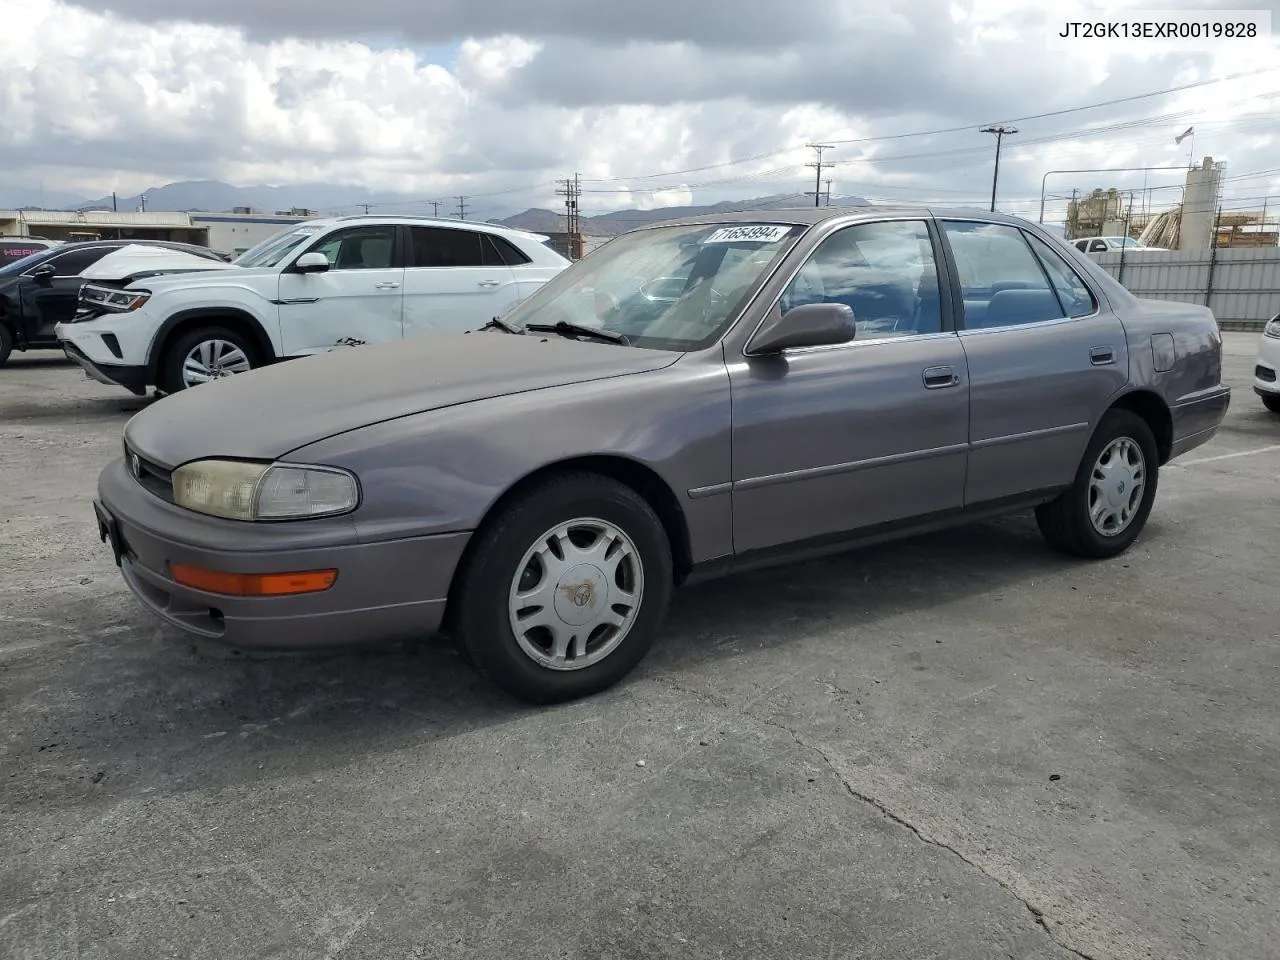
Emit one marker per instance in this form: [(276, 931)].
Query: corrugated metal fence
[(1241, 285)]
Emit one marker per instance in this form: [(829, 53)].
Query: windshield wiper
[(497, 323), (566, 329)]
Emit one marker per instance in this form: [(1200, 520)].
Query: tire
[(171, 377), (481, 617), (6, 344), (1066, 523), (1269, 400)]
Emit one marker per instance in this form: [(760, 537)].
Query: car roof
[(810, 216), (479, 225)]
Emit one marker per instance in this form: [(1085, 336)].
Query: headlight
[(1272, 329), (262, 491), (117, 301)]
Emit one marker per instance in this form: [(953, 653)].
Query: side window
[(885, 271), (1082, 246), (1076, 298), (360, 248), (73, 262), (1001, 280), (506, 252), (1098, 246), (447, 247)]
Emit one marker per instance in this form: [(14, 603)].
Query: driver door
[(358, 300), (830, 440)]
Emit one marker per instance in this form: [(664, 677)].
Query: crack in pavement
[(1035, 911), (718, 701)]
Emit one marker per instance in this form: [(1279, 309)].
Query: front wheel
[(565, 589), (6, 343), (209, 353), (1271, 401), (1106, 507)]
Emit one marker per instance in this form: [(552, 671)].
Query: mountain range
[(215, 196)]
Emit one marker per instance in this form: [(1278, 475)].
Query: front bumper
[(385, 591), (133, 379), (1266, 367)]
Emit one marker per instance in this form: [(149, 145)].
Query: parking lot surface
[(961, 746)]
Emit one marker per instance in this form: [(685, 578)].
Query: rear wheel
[(1107, 505), (1271, 401), (205, 354), (6, 343), (565, 590)]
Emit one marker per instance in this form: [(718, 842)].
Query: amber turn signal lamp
[(253, 584)]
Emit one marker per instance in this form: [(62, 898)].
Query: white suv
[(317, 286)]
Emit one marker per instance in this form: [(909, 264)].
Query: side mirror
[(811, 325), (44, 274), (314, 262)]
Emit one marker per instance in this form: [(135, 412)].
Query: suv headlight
[(238, 490), (116, 301), (1272, 329)]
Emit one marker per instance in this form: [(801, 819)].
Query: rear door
[(357, 300), (50, 302), (456, 279), (1045, 357)]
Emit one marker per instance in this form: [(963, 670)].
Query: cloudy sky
[(653, 103)]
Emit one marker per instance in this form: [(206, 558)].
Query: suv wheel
[(1107, 505), (6, 343), (209, 353), (1269, 400), (565, 590)]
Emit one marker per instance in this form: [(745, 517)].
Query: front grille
[(153, 477), (1266, 374)]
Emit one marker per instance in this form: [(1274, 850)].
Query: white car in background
[(1109, 244), (311, 288), (1266, 368)]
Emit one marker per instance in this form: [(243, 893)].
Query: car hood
[(271, 411), (214, 275), (138, 258)]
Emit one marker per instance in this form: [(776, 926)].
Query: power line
[(942, 130), (1001, 133), (817, 166)]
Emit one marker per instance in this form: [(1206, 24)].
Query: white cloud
[(94, 102)]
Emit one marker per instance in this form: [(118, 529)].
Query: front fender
[(443, 471)]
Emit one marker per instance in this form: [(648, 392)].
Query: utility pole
[(1072, 215), (462, 208), (1001, 133), (435, 208), (817, 165), (114, 206), (366, 207), (142, 202), (828, 183), (572, 191)]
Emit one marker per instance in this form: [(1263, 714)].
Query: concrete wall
[(1241, 285)]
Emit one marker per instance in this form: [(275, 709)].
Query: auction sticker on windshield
[(758, 232)]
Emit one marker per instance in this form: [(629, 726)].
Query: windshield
[(270, 252), (667, 288), (1127, 242)]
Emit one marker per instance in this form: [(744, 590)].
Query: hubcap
[(1116, 486), (213, 360), (576, 594)]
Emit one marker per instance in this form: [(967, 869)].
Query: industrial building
[(230, 233)]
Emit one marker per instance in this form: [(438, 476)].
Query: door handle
[(386, 285), (490, 283), (1101, 356), (936, 378)]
